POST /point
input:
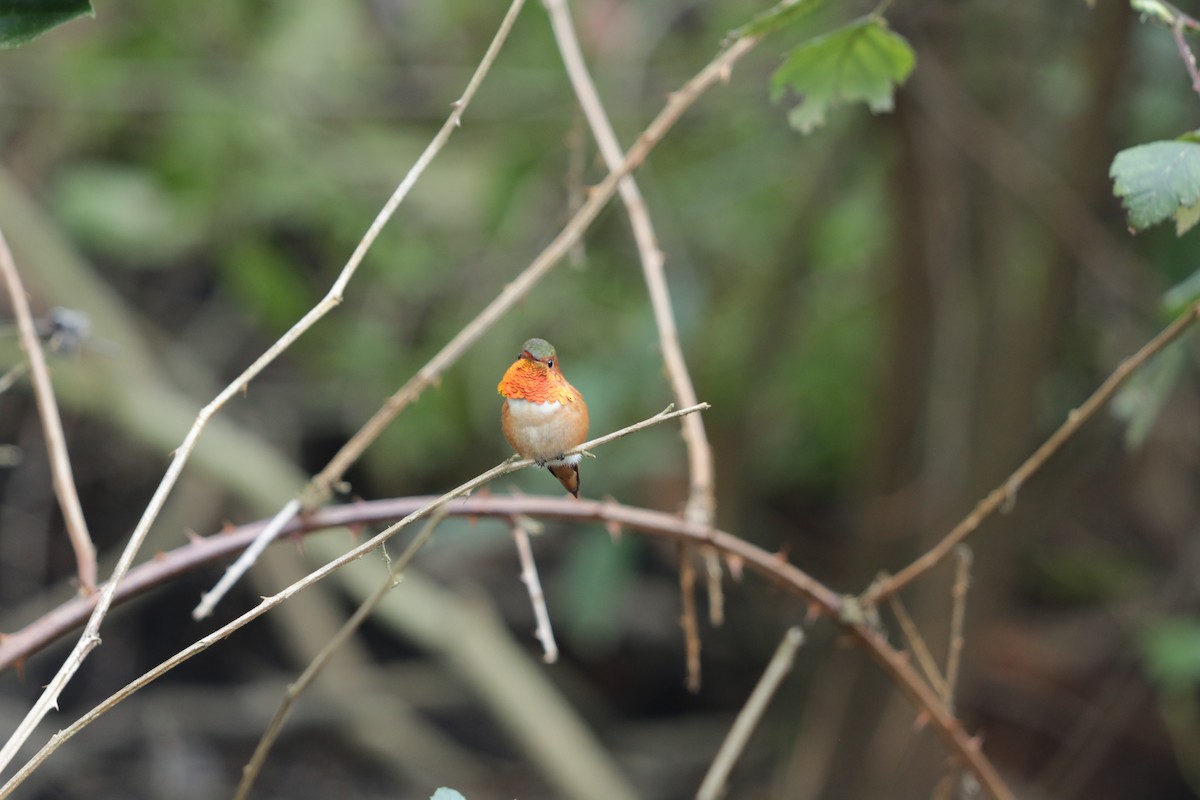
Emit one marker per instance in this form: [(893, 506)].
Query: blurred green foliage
[(874, 311)]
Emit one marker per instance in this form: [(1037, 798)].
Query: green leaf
[(22, 20), (775, 18), (861, 62), (1156, 181)]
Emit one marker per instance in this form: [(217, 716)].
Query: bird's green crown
[(539, 349)]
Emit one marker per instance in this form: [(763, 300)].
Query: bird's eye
[(550, 363)]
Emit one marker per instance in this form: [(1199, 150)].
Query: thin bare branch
[(1182, 23), (234, 572), (1005, 495), (958, 614), (952, 780), (56, 440), (919, 649), (529, 577), (713, 785), (254, 767), (1185, 53), (268, 603), (687, 617), (701, 501)]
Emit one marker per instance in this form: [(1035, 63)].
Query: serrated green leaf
[(22, 20), (860, 62), (1156, 180), (775, 18)]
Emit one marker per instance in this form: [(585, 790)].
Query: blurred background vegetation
[(886, 316)]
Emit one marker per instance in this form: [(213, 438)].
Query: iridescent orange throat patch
[(528, 380)]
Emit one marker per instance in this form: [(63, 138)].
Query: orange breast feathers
[(532, 381)]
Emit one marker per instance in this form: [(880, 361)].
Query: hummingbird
[(543, 415)]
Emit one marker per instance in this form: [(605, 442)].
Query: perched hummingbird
[(543, 415)]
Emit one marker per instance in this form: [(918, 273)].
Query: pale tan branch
[(533, 584), (958, 614), (56, 440), (747, 719), (701, 503), (920, 650), (687, 617)]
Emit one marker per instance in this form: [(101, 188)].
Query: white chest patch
[(541, 430), (525, 411)]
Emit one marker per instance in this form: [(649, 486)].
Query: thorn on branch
[(1010, 494)]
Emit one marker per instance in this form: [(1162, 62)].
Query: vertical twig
[(1185, 52), (917, 644), (747, 719), (529, 577), (944, 790), (687, 616), (701, 503), (958, 613), (56, 440), (252, 769)]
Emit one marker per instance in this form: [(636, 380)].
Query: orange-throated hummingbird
[(543, 414)]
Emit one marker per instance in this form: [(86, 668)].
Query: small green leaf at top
[(22, 20), (861, 62), (1158, 181), (779, 16)]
